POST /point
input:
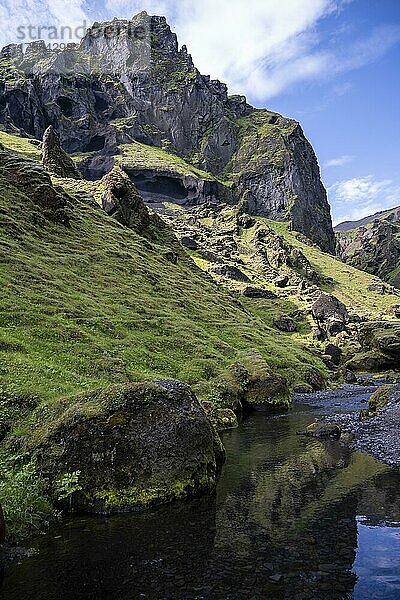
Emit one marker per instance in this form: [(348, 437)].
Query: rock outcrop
[(373, 245), (330, 315), (122, 201), (54, 159), (379, 343), (114, 89), (30, 178), (134, 446), (383, 336)]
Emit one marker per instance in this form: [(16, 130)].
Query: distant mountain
[(372, 244), (392, 215)]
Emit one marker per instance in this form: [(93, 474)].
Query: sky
[(333, 65)]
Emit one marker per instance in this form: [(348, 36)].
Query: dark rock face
[(373, 245), (102, 93), (335, 353), (330, 315), (135, 446), (189, 243), (122, 201), (231, 272), (282, 282), (258, 292), (285, 323), (54, 159), (288, 184), (29, 177)]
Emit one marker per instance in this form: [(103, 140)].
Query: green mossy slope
[(93, 303), (349, 284)]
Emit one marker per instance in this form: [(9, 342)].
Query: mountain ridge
[(98, 96), (372, 244), (392, 214)]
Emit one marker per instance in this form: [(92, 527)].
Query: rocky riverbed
[(375, 434)]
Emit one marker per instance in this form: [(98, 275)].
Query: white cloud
[(340, 161), (353, 199), (259, 48), (17, 15)]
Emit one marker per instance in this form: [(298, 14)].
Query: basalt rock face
[(373, 245), (54, 159), (134, 445), (279, 178), (128, 81)]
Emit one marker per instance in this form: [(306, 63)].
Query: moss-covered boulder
[(26, 177), (382, 336), (122, 201), (379, 399), (133, 446), (221, 418), (324, 430), (372, 361), (264, 387)]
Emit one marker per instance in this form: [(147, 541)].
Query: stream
[(293, 518)]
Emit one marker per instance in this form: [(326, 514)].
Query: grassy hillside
[(347, 283), (95, 303), (19, 145)]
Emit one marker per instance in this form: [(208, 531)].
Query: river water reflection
[(293, 518)]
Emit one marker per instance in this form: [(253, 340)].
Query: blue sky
[(331, 64)]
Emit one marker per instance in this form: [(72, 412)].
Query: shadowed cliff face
[(129, 81)]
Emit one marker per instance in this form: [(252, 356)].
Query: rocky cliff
[(373, 245), (128, 82)]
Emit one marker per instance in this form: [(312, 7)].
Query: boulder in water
[(134, 446)]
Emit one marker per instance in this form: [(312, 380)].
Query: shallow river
[(292, 518)]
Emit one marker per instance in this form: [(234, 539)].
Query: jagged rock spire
[(55, 159), (122, 201)]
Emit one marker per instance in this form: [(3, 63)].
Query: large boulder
[(263, 387), (251, 291), (324, 430), (231, 272), (381, 335), (330, 315), (122, 201), (55, 159), (382, 340), (134, 446), (285, 323)]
